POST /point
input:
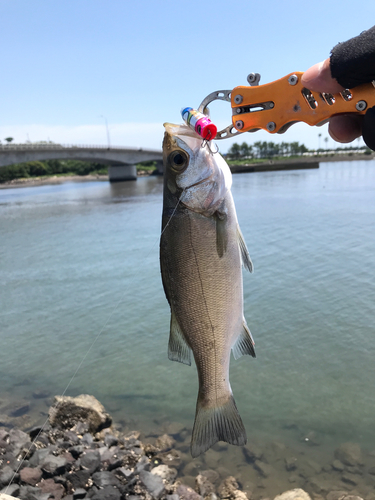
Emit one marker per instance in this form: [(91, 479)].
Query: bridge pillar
[(160, 166), (118, 173)]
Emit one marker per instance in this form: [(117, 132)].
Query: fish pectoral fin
[(178, 349), (221, 423), (221, 234), (245, 257), (244, 344)]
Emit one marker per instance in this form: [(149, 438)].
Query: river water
[(81, 288)]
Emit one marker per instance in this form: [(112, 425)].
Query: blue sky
[(69, 65)]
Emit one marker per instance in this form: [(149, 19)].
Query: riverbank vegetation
[(50, 168), (62, 168), (266, 150)]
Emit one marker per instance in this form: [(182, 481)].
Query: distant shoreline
[(303, 162), (267, 165)]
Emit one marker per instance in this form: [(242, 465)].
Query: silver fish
[(201, 254)]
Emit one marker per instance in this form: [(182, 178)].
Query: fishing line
[(53, 408), (174, 211)]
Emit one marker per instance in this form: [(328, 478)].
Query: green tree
[(235, 150), (245, 149), (8, 139)]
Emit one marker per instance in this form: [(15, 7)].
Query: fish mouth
[(174, 129)]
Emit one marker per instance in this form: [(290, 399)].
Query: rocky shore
[(79, 453)]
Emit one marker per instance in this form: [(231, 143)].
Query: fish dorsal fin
[(221, 234), (245, 257), (244, 344), (178, 349)]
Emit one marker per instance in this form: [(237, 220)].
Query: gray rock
[(228, 487), (79, 479), (349, 454), (349, 478), (110, 440), (372, 471), (165, 472), (171, 458), (124, 472), (165, 442), (296, 494), (337, 465), (54, 466), (40, 455), (90, 460), (187, 493), (203, 486), (264, 469), (79, 494), (87, 439), (314, 466), (35, 431), (30, 493), (3, 435), (294, 478), (105, 478), (354, 470), (336, 495), (6, 475), (107, 493), (18, 440), (153, 483), (290, 463), (252, 453), (41, 394), (211, 475), (76, 451), (18, 409), (68, 411), (143, 464), (71, 437), (319, 485)]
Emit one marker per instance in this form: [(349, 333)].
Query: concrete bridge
[(121, 161)]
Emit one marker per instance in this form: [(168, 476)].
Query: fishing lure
[(199, 122)]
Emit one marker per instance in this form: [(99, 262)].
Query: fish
[(202, 252)]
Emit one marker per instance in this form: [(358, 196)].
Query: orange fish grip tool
[(277, 105)]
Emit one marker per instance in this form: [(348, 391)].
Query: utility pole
[(107, 129)]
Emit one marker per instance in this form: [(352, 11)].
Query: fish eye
[(179, 160)]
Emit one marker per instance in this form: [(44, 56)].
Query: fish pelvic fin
[(178, 349), (244, 344), (221, 423), (245, 257)]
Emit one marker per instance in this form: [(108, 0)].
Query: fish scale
[(201, 254)]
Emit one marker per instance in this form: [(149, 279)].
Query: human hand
[(352, 63), (342, 128)]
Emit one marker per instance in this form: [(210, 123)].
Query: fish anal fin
[(221, 233), (221, 423), (245, 257), (178, 349), (244, 344)]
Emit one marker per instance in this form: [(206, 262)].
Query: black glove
[(353, 63)]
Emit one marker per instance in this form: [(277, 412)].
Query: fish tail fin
[(221, 423)]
